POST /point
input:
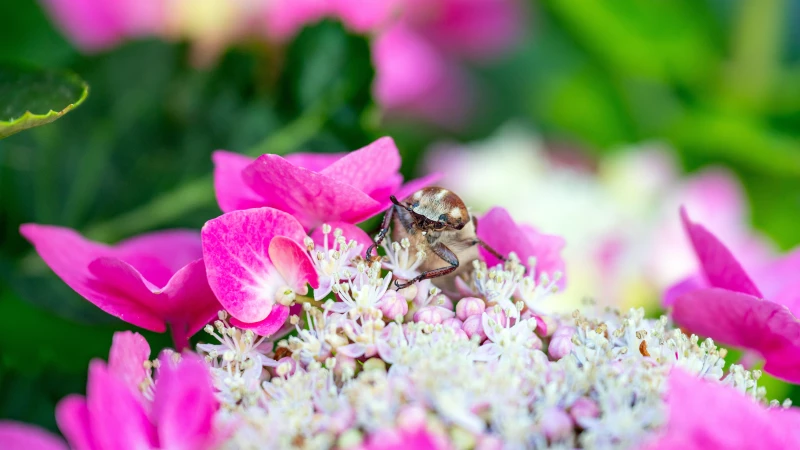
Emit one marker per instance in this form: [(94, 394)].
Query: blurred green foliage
[(719, 80)]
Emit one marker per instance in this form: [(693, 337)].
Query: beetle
[(437, 221)]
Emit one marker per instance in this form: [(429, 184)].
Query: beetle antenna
[(394, 200)]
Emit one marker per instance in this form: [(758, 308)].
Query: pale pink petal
[(285, 18), (236, 255), (172, 249), (21, 436), (706, 414), (91, 24), (719, 266), (479, 29), (352, 350), (188, 302), (497, 229), (69, 255), (72, 416), (350, 232), (229, 186), (184, 405), (269, 326), (293, 264), (744, 321), (365, 15), (316, 162), (117, 420), (311, 197), (367, 168), (774, 277), (126, 358)]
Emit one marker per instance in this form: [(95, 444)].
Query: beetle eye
[(442, 217)]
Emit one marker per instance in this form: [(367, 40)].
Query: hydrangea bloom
[(316, 188), (724, 302), (150, 281)]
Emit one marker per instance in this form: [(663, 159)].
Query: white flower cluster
[(489, 371)]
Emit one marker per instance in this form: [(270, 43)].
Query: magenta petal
[(229, 186), (21, 436), (367, 168), (118, 421), (500, 232), (235, 251), (189, 304), (92, 25), (184, 404), (689, 284), (126, 359), (311, 197), (69, 255), (269, 326), (744, 321), (72, 416), (314, 161), (293, 264), (172, 249), (720, 267), (350, 232)]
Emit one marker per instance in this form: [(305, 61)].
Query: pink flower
[(112, 417), (256, 266), (704, 414), (316, 188), (497, 229), (100, 24), (726, 304), (285, 18), (149, 280), (411, 432), (21, 436)]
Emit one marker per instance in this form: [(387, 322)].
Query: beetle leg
[(489, 249), (387, 220), (441, 251)]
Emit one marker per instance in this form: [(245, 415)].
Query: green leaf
[(33, 97)]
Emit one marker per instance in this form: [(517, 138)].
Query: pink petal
[(229, 186), (350, 232), (311, 197), (364, 15), (744, 321), (689, 284), (21, 436), (285, 18), (779, 280), (117, 420), (185, 405), (69, 255), (126, 359), (734, 421), (500, 232), (293, 264), (720, 267), (72, 415), (189, 304), (91, 24), (316, 162), (235, 250), (269, 326), (170, 250), (367, 168)]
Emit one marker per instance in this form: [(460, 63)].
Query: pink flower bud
[(488, 442), (561, 342), (428, 314), (473, 326), (584, 408), (286, 367), (453, 323), (470, 306), (393, 305), (556, 424), (410, 293), (498, 315)]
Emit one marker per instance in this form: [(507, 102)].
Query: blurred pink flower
[(21, 436), (705, 414), (499, 231), (412, 431), (726, 304), (150, 280), (285, 18), (316, 188), (111, 417), (256, 266), (95, 25)]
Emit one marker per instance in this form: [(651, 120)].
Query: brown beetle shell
[(439, 205)]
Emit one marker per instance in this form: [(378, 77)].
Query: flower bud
[(498, 315), (453, 323), (393, 305), (470, 306), (584, 408), (410, 293), (561, 342), (428, 314), (473, 326), (556, 424), (286, 367)]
